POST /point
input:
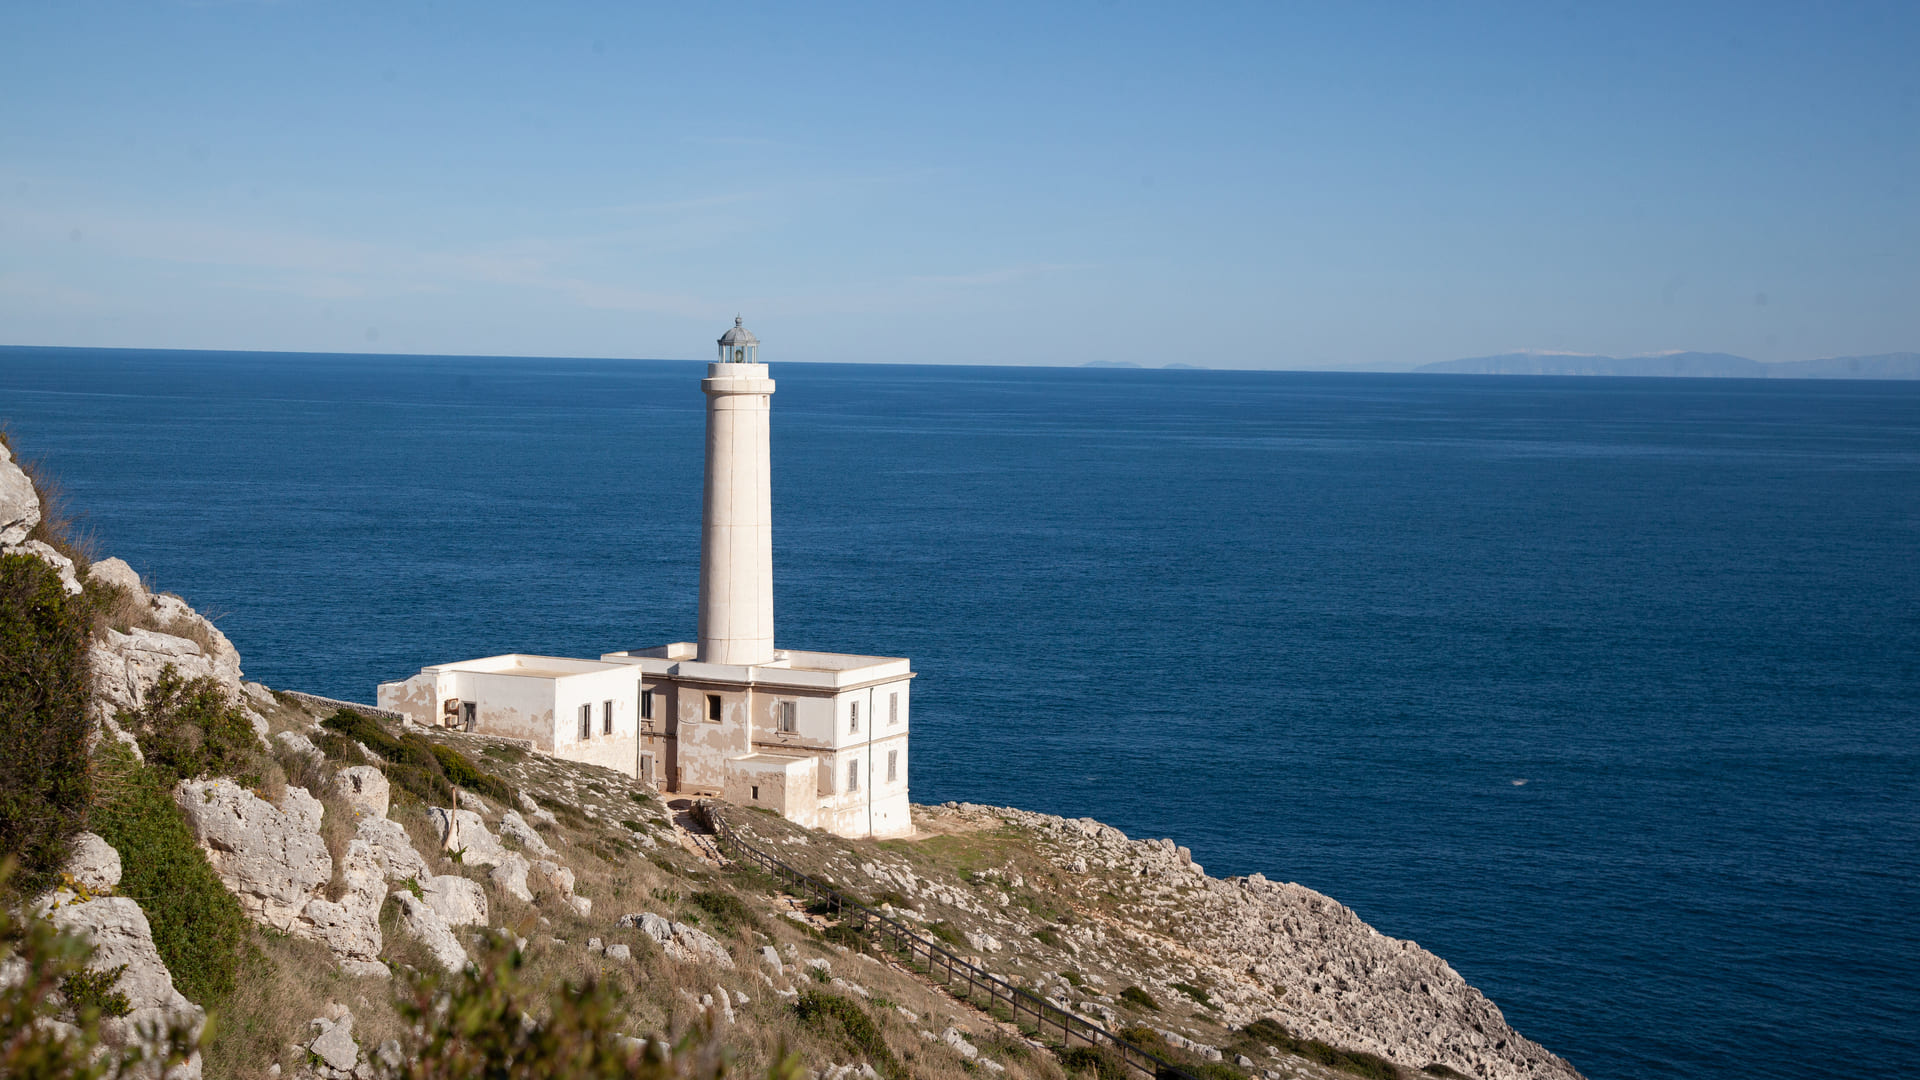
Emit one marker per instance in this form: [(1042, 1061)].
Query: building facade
[(818, 737)]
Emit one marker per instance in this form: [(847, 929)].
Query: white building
[(820, 738)]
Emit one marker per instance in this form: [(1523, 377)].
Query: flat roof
[(526, 665), (790, 667)]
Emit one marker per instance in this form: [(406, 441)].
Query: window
[(586, 721), (756, 793), (606, 718), (853, 776), (893, 709), (853, 717), (646, 704), (893, 766), (713, 708), (783, 712)]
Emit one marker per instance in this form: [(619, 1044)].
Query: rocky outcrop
[(364, 788), (419, 921), (127, 664), (1279, 949), (273, 859), (19, 503), (69, 578), (678, 940), (456, 900), (394, 848), (514, 827), (465, 832)]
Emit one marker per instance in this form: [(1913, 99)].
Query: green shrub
[(45, 785), (1270, 1032), (945, 931), (848, 936), (1074, 979), (188, 729), (427, 770), (1198, 995), (1101, 1061), (830, 1015), (1133, 995), (1046, 935), (726, 909), (1437, 1069), (93, 993), (198, 926), (1144, 1037)]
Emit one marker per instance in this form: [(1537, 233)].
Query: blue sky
[(1229, 185)]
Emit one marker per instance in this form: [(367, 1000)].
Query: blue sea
[(1605, 690)]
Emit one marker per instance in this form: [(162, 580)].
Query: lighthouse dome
[(739, 335)]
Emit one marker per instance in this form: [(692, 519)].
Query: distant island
[(1694, 365), (1175, 366)]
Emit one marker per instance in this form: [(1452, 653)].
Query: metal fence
[(962, 978)]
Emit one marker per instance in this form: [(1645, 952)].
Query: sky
[(1251, 186)]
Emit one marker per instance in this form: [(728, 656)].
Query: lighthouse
[(819, 738), (736, 516)]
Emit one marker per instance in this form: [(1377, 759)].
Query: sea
[(1607, 690)]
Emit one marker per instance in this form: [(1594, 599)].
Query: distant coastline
[(1685, 365)]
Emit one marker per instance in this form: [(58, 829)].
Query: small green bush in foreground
[(45, 785)]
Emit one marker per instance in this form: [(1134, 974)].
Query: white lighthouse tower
[(736, 520)]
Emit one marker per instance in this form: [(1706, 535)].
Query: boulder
[(121, 935), (364, 788), (678, 940), (514, 827), (272, 858), (456, 900), (19, 503), (466, 832), (93, 863), (394, 848), (550, 878), (118, 574), (510, 877), (618, 951), (420, 921), (300, 746), (350, 926), (334, 1046)]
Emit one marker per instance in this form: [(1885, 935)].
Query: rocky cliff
[(356, 851)]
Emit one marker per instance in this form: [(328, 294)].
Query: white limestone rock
[(549, 878), (678, 940), (394, 848), (333, 1044), (619, 951), (420, 921), (364, 788), (117, 573), (514, 827), (350, 926), (45, 552), (93, 863), (121, 935), (272, 858), (19, 503), (952, 1037), (300, 746), (458, 901), (466, 832), (581, 906), (510, 877)]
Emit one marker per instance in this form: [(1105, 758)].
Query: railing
[(963, 978)]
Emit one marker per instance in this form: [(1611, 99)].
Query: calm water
[(1320, 626)]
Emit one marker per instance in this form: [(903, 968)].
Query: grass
[(1046, 935), (1133, 995), (1102, 1062), (946, 932)]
